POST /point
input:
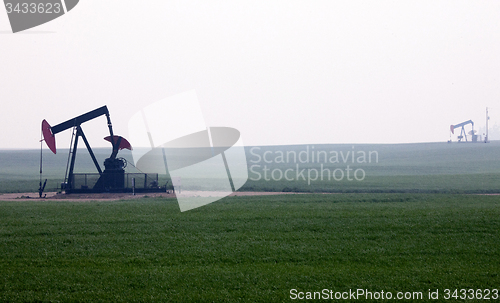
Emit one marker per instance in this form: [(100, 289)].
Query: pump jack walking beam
[(81, 119), (50, 131), (77, 121)]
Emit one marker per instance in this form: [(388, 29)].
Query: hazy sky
[(281, 72)]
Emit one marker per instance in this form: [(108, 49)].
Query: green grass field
[(411, 225), (248, 249)]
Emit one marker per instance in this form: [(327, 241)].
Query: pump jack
[(463, 132), (112, 178)]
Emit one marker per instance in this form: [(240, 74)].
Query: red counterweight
[(48, 137)]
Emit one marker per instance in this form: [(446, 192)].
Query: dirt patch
[(120, 196)]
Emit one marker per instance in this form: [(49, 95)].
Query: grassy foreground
[(247, 249)]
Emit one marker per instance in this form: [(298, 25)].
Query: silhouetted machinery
[(463, 133), (113, 178)]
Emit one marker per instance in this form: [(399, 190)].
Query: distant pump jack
[(463, 133)]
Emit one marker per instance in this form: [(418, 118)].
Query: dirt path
[(119, 196)]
